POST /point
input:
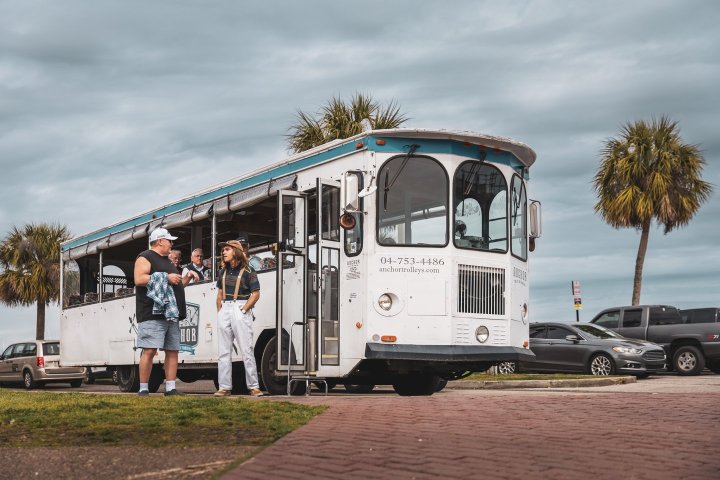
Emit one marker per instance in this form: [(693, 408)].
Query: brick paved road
[(508, 434)]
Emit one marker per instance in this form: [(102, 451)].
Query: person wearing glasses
[(158, 330), (196, 266)]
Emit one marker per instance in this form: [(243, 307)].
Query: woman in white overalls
[(238, 291)]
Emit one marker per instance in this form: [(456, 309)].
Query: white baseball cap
[(159, 233)]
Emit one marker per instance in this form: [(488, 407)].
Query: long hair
[(238, 255)]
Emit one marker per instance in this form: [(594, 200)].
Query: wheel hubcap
[(686, 361), (506, 368), (600, 366)]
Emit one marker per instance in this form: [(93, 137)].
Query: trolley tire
[(353, 388), (441, 384), (128, 378), (76, 383), (275, 383), (89, 376), (688, 360), (416, 384)]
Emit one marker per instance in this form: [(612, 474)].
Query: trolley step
[(307, 379)]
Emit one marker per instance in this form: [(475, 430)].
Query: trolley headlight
[(385, 302), (482, 334)]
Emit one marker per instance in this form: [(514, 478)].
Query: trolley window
[(480, 202), (412, 202)]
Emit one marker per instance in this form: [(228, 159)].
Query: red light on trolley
[(388, 338)]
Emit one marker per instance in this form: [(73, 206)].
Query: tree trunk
[(40, 327), (639, 262)]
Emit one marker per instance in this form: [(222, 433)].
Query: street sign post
[(577, 301)]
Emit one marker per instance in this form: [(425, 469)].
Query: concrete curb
[(505, 384)]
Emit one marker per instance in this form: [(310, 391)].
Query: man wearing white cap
[(158, 330)]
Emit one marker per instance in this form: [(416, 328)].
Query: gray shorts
[(160, 334)]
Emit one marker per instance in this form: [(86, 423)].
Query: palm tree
[(30, 262), (647, 174), (338, 119)]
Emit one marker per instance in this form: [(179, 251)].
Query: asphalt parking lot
[(661, 427)]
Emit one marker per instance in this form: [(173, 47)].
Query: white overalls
[(233, 324)]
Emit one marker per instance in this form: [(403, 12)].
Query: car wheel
[(507, 368), (353, 388), (89, 376), (28, 380), (688, 360), (76, 383), (275, 382), (601, 364)]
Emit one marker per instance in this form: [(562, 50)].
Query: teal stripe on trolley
[(399, 145)]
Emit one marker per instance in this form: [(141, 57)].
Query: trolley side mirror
[(535, 222), (350, 192), (535, 219)]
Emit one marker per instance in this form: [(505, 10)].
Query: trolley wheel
[(351, 388), (441, 384), (76, 383), (416, 384), (274, 380), (128, 378)]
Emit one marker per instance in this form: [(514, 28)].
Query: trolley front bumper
[(447, 353)]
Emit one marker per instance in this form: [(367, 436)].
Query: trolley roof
[(267, 180)]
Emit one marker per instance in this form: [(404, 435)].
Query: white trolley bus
[(396, 257)]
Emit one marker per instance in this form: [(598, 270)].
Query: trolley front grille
[(481, 290)]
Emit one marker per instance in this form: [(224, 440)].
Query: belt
[(233, 301)]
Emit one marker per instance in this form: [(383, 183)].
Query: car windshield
[(596, 331), (51, 349)]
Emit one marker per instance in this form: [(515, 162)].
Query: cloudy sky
[(108, 109)]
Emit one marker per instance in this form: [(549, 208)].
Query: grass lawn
[(527, 376), (73, 419)]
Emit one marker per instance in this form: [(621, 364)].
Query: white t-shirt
[(202, 268)]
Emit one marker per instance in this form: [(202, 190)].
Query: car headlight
[(385, 302), (627, 350), (482, 334)]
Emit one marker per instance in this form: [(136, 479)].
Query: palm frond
[(338, 119)]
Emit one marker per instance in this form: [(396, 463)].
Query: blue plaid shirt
[(161, 293)]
